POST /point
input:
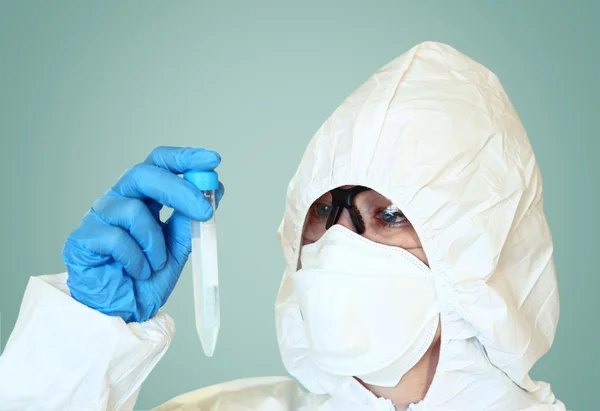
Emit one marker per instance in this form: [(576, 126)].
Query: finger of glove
[(179, 244), (135, 217), (180, 160), (98, 237), (145, 181), (154, 208), (75, 256), (178, 237)]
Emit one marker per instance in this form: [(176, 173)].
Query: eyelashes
[(391, 216)]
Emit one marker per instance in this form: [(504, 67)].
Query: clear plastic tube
[(205, 273)]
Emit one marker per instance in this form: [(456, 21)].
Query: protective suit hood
[(435, 132)]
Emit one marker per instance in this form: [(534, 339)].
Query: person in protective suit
[(419, 268)]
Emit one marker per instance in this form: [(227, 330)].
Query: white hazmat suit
[(435, 133)]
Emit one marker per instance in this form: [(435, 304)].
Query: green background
[(89, 88)]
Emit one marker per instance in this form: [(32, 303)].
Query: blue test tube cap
[(204, 180)]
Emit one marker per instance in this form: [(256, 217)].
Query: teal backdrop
[(88, 88)]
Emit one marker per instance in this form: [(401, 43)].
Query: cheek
[(404, 236), (420, 254), (410, 242)]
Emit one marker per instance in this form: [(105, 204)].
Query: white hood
[(435, 132)]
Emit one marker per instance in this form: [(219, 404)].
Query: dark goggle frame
[(344, 199)]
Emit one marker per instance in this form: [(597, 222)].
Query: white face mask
[(369, 310)]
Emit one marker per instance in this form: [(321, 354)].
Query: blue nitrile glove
[(123, 260)]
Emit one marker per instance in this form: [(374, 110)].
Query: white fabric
[(353, 293), (63, 355), (433, 131)]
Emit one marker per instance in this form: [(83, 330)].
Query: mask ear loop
[(344, 198)]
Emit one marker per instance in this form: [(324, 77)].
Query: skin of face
[(386, 225)]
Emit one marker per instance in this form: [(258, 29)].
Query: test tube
[(205, 271)]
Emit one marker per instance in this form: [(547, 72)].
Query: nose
[(346, 221)]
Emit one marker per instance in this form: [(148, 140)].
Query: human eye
[(391, 216), (322, 210)]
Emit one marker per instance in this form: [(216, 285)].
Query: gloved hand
[(123, 260)]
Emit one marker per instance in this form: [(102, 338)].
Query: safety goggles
[(369, 213)]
